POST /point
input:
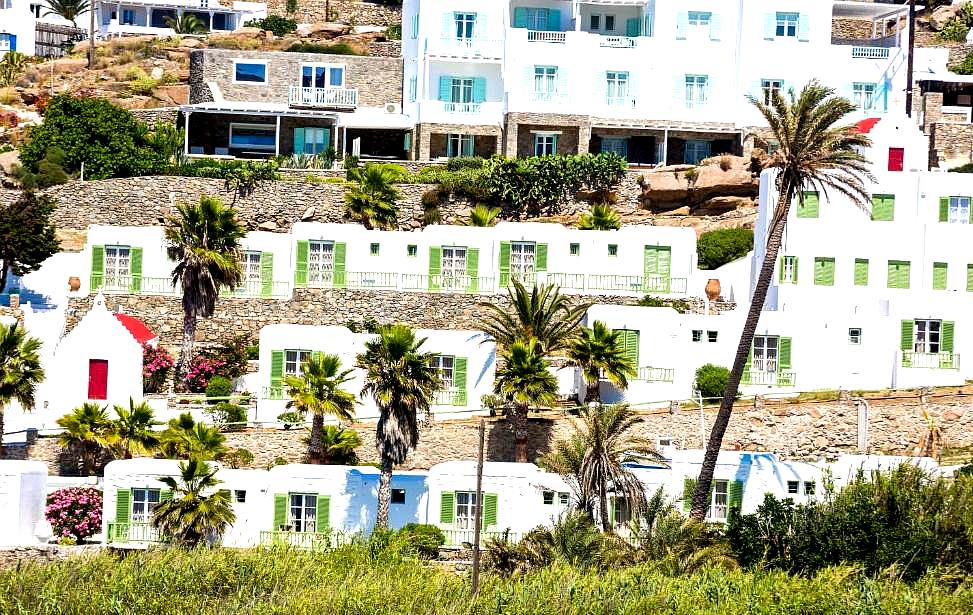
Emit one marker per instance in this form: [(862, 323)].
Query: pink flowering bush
[(156, 364), (74, 512), (200, 371)]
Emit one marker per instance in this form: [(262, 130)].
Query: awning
[(255, 108), (370, 117)]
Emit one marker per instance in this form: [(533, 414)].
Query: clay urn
[(74, 283), (713, 289)]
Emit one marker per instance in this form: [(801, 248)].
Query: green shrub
[(50, 171), (711, 381), (219, 386), (241, 176), (717, 248), (289, 419), (228, 417), (680, 305), (238, 458), (338, 49), (421, 539), (464, 162), (280, 26), (143, 86), (394, 32), (955, 29), (253, 352)]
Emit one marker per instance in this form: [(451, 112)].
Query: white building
[(23, 493), (568, 76), (16, 27)]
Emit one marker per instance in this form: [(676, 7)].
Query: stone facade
[(168, 115), (349, 11), (793, 430), (431, 140), (385, 49), (950, 141), (576, 132), (378, 80)]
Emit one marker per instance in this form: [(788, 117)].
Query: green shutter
[(946, 339), (97, 267), (540, 262), (338, 267), (300, 270), (734, 491), (745, 378), (489, 510), (504, 263), (276, 369), (780, 270), (322, 520), (688, 487), (459, 379), (266, 274), (905, 341), (447, 507), (944, 209), (123, 506), (435, 266), (784, 357), (883, 207), (298, 141), (280, 510), (861, 272), (823, 271), (795, 270), (135, 271), (969, 278), (899, 274), (809, 206), (939, 271), (165, 496), (473, 269), (630, 345)]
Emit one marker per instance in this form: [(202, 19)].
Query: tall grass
[(360, 579)]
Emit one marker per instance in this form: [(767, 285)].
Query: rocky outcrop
[(719, 185)]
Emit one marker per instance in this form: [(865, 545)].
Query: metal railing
[(775, 379), (346, 98), (132, 532), (567, 281), (655, 374), (635, 283), (466, 47), (371, 279), (450, 398), (549, 97), (144, 285), (930, 360), (272, 393), (871, 53), (445, 284), (617, 42), (620, 101), (311, 541), (461, 107), (258, 288), (543, 36), (456, 538)]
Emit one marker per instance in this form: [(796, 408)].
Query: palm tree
[(523, 378), (190, 518), (482, 215), (186, 24), (602, 217), (399, 377), (318, 391), (205, 240), (371, 199), (87, 428), (541, 314), (133, 433), (605, 435), (184, 438), (815, 151), (598, 352), (338, 446), (68, 9), (20, 370)]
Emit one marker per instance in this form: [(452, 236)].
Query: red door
[(97, 379), (896, 158)]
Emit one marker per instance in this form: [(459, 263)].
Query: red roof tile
[(137, 328), (865, 126)]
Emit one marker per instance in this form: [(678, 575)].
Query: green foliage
[(602, 217), (219, 386), (27, 235), (965, 67), (338, 49), (338, 446), (106, 138), (184, 438), (464, 162), (421, 539), (88, 430), (11, 66), (719, 247), (167, 140), (232, 354), (955, 29), (482, 216), (394, 32), (291, 7), (711, 380), (253, 352), (290, 419), (186, 24), (68, 9), (195, 515), (241, 176), (280, 26), (228, 416), (324, 160), (50, 171), (966, 168), (372, 199), (238, 458), (680, 305)]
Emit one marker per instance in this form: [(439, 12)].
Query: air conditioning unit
[(393, 108)]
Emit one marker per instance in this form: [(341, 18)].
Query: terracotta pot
[(74, 283), (713, 289)]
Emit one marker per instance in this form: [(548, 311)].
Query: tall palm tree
[(133, 433), (523, 378), (318, 391), (184, 438), (191, 518), (541, 314), (606, 436), (186, 24), (88, 429), (372, 197), (598, 352), (482, 215), (338, 446), (815, 151), (205, 240), (399, 377), (20, 370), (602, 217), (68, 9)]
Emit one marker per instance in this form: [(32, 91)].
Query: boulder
[(941, 15), (157, 72), (664, 185), (8, 160), (70, 65), (247, 31), (722, 204), (172, 95), (713, 181), (323, 30), (191, 43)]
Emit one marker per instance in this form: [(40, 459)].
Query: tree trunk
[(520, 433), (1, 433), (603, 509), (91, 39), (592, 392), (3, 276), (384, 494), (314, 450), (701, 495), (188, 342)]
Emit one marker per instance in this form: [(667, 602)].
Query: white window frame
[(523, 260), (117, 268), (616, 88), (266, 127), (617, 145), (697, 91), (464, 517), (699, 22), (789, 265), (255, 62), (328, 67), (452, 262), (461, 90), (320, 262), (302, 512), (537, 18), (768, 86), (294, 358), (958, 211), (621, 512), (459, 145), (464, 25), (766, 354), (545, 80), (700, 150), (927, 336), (855, 336), (720, 502), (787, 24), (250, 265), (863, 95), (445, 366), (144, 501)]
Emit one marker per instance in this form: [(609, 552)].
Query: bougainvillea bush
[(156, 365), (200, 371), (74, 512)]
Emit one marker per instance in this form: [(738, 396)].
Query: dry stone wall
[(348, 11)]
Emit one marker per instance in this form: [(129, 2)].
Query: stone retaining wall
[(358, 13), (168, 115)]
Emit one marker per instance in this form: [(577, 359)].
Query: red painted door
[(896, 158), (97, 379)]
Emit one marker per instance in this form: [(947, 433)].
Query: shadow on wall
[(500, 439)]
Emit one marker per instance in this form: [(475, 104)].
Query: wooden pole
[(912, 50), (91, 35), (478, 516)]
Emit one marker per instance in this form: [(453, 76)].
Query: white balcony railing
[(618, 42), (620, 102), (457, 538), (450, 398), (457, 107), (548, 97), (871, 53), (930, 360), (763, 378), (465, 48), (344, 98), (655, 374), (543, 36)]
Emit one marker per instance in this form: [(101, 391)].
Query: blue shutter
[(804, 27), (883, 101), (714, 27), (757, 90), (480, 26), (13, 41), (479, 89), (298, 140), (682, 24), (680, 91), (449, 25), (445, 88), (520, 17), (770, 26), (554, 20), (647, 25), (632, 26)]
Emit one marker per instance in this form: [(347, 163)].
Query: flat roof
[(869, 10)]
